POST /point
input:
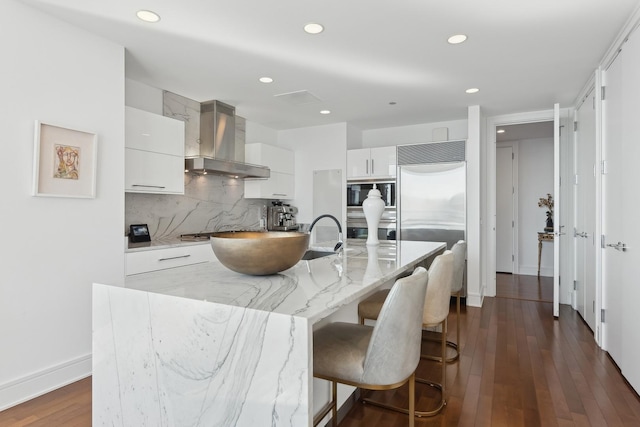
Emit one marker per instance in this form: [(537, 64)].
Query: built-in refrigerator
[(431, 192)]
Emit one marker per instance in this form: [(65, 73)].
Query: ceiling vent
[(300, 97)]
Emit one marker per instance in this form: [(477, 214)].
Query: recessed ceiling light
[(313, 28), (500, 131), (325, 112), (148, 16), (473, 90), (457, 39), (266, 79)]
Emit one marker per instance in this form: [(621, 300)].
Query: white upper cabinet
[(281, 164), (377, 162), (154, 153)]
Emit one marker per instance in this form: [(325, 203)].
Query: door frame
[(566, 266)]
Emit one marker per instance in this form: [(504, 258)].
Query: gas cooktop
[(195, 237)]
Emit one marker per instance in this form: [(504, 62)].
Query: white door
[(585, 239), (621, 210), (612, 205), (631, 213), (557, 227), (504, 209)]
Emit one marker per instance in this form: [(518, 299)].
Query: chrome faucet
[(340, 242)]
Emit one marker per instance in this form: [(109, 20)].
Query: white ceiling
[(524, 55)]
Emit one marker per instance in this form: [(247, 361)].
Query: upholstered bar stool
[(459, 261), (434, 313), (359, 355)]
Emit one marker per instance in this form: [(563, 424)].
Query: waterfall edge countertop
[(311, 289), (203, 345)]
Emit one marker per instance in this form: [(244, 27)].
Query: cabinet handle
[(367, 166), (149, 186), (174, 257), (278, 194), (372, 172)]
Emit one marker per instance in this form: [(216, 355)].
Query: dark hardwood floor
[(518, 367), (531, 288)]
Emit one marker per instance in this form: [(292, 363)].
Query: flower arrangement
[(547, 203)]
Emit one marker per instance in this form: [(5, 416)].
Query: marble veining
[(202, 345), (162, 361), (210, 203)]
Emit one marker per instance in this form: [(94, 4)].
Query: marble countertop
[(311, 289)]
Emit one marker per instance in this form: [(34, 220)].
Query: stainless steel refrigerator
[(432, 197)]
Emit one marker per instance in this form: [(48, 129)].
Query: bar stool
[(359, 355), (434, 313), (459, 258)]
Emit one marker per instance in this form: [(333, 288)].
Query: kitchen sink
[(313, 254)]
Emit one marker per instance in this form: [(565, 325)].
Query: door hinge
[(575, 285), (575, 126), (513, 156), (602, 241), (513, 224), (601, 314), (602, 93), (513, 258)]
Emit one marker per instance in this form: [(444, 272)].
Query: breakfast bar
[(204, 345)]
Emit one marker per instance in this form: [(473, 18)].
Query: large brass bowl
[(259, 253)]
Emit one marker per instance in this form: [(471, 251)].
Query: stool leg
[(458, 323), (334, 409), (412, 400), (444, 360)]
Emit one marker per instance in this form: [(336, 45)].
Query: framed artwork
[(64, 162)]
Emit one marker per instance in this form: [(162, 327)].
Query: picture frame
[(64, 163)]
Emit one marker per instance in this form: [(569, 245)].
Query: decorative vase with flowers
[(547, 202)]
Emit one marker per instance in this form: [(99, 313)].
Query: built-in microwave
[(357, 192)]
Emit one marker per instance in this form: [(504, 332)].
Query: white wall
[(411, 134), (54, 248), (257, 133), (535, 180), (316, 148), (475, 287)]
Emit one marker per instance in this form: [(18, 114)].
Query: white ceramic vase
[(373, 206)]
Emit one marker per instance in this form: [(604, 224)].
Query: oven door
[(357, 192), (359, 230)]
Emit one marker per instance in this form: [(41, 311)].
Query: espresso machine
[(281, 217)]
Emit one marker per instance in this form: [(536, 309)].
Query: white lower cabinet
[(160, 259)]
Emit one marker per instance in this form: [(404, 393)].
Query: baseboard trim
[(31, 386), (474, 300)]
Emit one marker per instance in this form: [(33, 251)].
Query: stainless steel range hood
[(221, 151)]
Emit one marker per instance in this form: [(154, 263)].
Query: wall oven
[(357, 191), (356, 222)]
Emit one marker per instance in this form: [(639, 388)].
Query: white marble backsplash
[(209, 203)]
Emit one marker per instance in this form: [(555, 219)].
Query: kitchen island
[(203, 345)]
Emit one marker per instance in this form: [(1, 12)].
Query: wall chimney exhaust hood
[(221, 150)]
